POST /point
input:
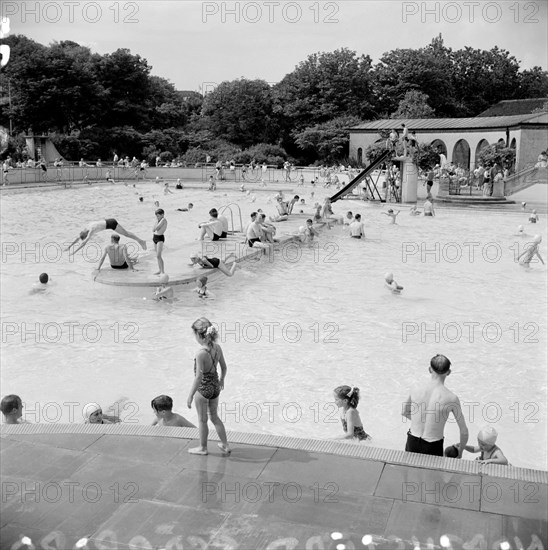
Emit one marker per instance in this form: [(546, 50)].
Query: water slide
[(361, 176), (42, 147)]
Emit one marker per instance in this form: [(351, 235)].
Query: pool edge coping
[(339, 448)]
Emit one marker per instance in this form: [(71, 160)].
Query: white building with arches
[(461, 139)]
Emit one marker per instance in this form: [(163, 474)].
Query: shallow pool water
[(293, 327)]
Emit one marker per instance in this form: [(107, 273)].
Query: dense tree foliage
[(93, 105), (414, 105)]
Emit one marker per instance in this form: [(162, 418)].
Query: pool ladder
[(229, 207)]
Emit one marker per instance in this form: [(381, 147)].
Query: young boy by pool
[(162, 407), (12, 409)]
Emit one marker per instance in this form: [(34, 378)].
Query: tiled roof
[(452, 123)]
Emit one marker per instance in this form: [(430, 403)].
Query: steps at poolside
[(461, 200)]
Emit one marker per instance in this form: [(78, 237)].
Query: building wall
[(527, 142), (532, 141)]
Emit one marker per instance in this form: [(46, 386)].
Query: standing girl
[(347, 399), (207, 386)]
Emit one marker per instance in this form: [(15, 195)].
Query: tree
[(425, 156), (414, 105), (482, 78), (125, 78), (533, 83), (325, 86), (240, 111), (497, 154), (328, 141), (427, 70)]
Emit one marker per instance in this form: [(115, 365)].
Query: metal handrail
[(228, 206)]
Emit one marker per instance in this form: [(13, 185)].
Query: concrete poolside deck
[(129, 486)]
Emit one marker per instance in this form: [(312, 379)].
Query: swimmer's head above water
[(520, 228), (44, 278), (389, 278), (163, 279)]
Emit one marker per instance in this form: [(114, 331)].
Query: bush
[(263, 152), (194, 155)]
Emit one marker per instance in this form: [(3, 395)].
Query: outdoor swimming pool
[(291, 329)]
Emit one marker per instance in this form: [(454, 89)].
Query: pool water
[(292, 327)]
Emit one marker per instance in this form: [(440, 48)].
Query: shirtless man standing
[(428, 407), (118, 255), (102, 225)]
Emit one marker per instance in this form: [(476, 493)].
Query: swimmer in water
[(521, 232), (213, 263), (163, 292), (357, 230), (533, 217), (201, 289), (529, 253), (309, 232), (523, 205), (187, 209), (12, 409), (42, 286), (414, 211), (102, 225), (392, 215), (167, 190), (490, 453), (179, 184), (394, 287), (93, 414)]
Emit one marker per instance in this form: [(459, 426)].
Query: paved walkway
[(137, 487)]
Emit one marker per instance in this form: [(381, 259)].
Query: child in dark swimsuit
[(347, 399), (207, 386)]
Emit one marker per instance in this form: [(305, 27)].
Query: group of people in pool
[(425, 435)]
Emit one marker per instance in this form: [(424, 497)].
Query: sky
[(197, 45)]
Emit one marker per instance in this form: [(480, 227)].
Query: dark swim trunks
[(158, 239), (123, 266), (215, 237), (420, 446), (224, 235), (111, 224), (251, 241), (213, 261), (356, 236)]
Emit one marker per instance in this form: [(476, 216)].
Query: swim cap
[(389, 277), (164, 278), (89, 409), (520, 227), (537, 238), (488, 435)]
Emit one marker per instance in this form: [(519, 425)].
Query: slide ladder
[(364, 175)]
